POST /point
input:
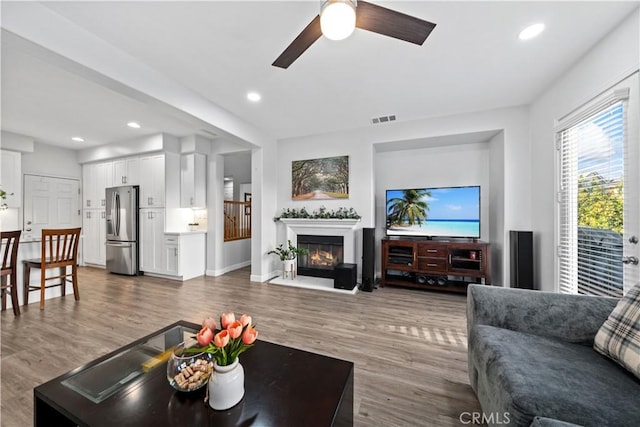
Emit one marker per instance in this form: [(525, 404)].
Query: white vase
[(226, 385), (289, 268)]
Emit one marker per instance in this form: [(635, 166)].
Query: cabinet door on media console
[(399, 255), (470, 260)]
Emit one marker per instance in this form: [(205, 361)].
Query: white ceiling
[(472, 61)]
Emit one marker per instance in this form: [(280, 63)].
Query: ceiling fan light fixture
[(338, 19)]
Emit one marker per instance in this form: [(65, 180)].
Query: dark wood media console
[(437, 265)]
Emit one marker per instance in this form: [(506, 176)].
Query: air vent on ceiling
[(383, 119)]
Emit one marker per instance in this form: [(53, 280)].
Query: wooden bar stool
[(10, 241), (59, 250)]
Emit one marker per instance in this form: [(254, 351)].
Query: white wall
[(512, 152), (497, 231), (447, 166), (608, 62), (51, 161), (451, 166), (320, 146), (237, 254)]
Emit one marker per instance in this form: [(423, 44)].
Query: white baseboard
[(227, 269)]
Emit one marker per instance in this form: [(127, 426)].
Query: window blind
[(590, 199)]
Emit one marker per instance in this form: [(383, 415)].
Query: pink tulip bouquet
[(234, 338)]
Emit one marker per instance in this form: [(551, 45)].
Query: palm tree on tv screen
[(409, 209)]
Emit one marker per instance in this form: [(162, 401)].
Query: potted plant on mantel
[(288, 255)]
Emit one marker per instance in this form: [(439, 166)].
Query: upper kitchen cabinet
[(11, 177), (126, 171), (152, 181), (95, 178), (193, 180)]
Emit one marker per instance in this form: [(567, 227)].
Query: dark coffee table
[(283, 387)]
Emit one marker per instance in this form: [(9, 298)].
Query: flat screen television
[(434, 212)]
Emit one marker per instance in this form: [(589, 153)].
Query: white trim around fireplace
[(325, 227), (321, 227)]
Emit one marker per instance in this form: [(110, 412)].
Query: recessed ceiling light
[(254, 96), (77, 139), (133, 125), (531, 31)]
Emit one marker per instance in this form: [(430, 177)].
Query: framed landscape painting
[(320, 179)]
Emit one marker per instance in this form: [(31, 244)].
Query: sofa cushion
[(528, 375), (619, 336), (549, 422)]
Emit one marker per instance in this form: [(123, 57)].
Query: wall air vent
[(383, 119)]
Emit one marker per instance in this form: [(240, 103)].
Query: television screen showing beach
[(437, 212)]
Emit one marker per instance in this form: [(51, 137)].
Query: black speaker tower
[(521, 245), (368, 259)]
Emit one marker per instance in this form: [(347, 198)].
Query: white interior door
[(50, 203)]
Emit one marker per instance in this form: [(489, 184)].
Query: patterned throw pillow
[(619, 337)]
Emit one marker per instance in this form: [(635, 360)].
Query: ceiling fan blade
[(390, 23), (301, 43)]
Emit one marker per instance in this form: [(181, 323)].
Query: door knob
[(27, 229), (633, 239), (630, 260)]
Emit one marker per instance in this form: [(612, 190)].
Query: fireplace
[(325, 252)]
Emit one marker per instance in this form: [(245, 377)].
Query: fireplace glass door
[(325, 252)]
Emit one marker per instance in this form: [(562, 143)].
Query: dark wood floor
[(409, 346)]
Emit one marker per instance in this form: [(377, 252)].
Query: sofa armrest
[(572, 318)]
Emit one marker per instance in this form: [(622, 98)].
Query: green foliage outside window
[(600, 203)]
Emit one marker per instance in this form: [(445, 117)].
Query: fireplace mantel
[(325, 227), (320, 222)]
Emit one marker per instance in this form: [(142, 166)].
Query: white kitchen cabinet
[(152, 181), (94, 236), (193, 180), (89, 186), (126, 171), (152, 255), (11, 177), (96, 177), (172, 254), (105, 179), (185, 255)]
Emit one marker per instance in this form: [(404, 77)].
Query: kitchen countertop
[(180, 233)]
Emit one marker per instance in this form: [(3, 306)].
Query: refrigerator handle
[(117, 206)]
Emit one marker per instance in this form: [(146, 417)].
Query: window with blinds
[(591, 200)]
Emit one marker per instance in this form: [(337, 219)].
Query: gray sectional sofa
[(531, 357)]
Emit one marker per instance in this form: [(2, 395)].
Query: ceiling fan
[(362, 14)]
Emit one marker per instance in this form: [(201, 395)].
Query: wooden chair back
[(10, 241), (59, 247)]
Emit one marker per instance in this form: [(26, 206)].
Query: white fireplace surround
[(325, 227)]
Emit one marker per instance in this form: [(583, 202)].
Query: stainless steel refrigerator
[(122, 230)]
